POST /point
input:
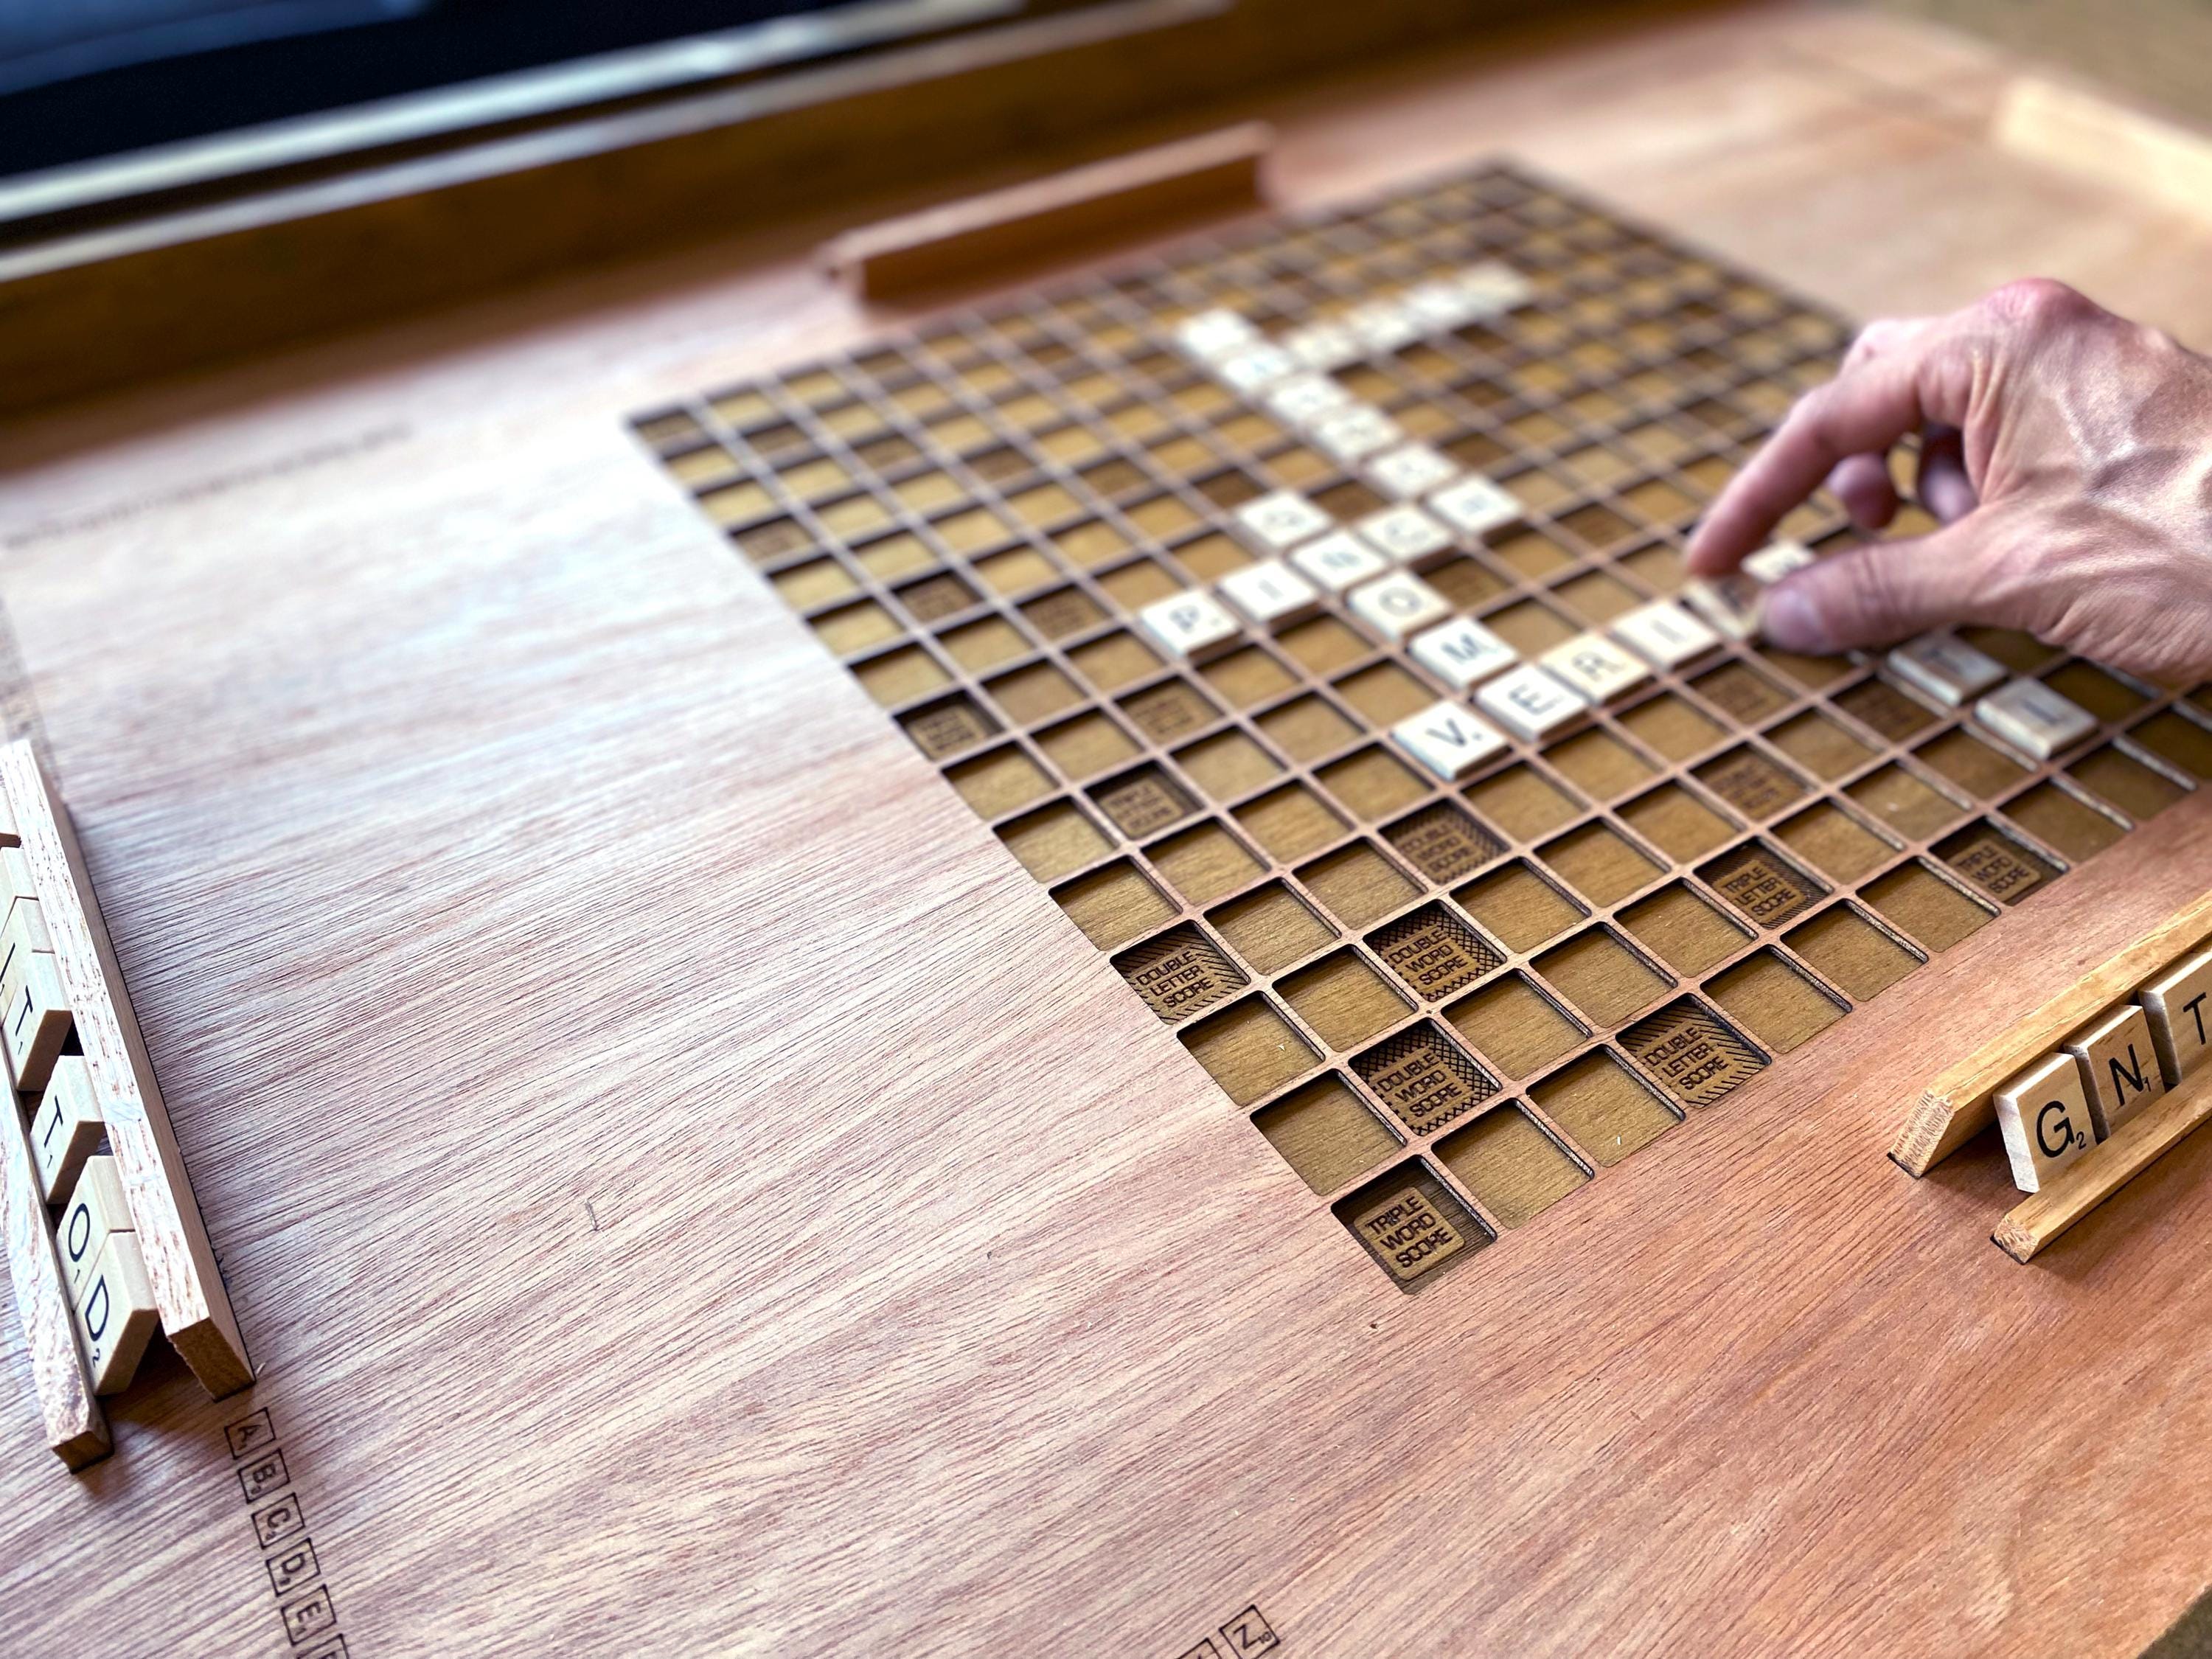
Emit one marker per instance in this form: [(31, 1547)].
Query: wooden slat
[(1956, 1106), (1220, 170), (2105, 1169), (75, 1427), (196, 1313)]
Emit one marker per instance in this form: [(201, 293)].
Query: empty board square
[(1996, 863), (1741, 692), (1514, 1168), (1180, 973), (1924, 907), (1600, 977), (2090, 687), (1694, 1056), (1811, 672), (1599, 764), (1385, 693), (1139, 583), (1671, 727), (1054, 841), (1034, 693), (1204, 863), (949, 726), (1780, 1007), (1250, 1048), (1343, 1000), (2021, 652), (1423, 1077), (1064, 612), (1114, 905), (1272, 927), (1516, 1028), (1291, 821), (1833, 843), (1326, 1133), (1600, 864), (999, 782), (1596, 598), (1523, 803), (1604, 1109), (1410, 1223), (1982, 770), (1228, 764), (1820, 745), (1753, 781), (1530, 627), (1434, 951), (1762, 885), (1143, 802), (2179, 741), (2063, 823), (981, 645), (934, 598), (1169, 710), (1677, 823), (896, 556), (2120, 779), (1911, 807), (1883, 710), (1114, 660), (1356, 884), (1308, 728), (1859, 958), (1444, 841), (1324, 644), (1248, 677), (1085, 746), (1371, 784), (1520, 907), (816, 582), (1679, 925)]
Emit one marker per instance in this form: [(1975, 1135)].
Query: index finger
[(1864, 410)]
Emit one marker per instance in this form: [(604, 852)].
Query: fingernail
[(1793, 620)]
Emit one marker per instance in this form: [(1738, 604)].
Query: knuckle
[(1876, 338), (2038, 304)]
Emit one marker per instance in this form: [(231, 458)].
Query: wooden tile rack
[(131, 1250), (1451, 982)]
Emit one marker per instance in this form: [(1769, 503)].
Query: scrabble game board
[(1305, 610)]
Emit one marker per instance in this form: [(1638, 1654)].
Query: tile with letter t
[(2121, 1063), (2043, 1115), (2179, 1004), (65, 1127), (1447, 740)]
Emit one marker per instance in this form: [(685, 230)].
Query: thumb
[(1890, 590)]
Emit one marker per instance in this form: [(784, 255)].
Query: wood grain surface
[(488, 856)]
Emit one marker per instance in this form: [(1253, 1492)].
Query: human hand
[(2068, 454)]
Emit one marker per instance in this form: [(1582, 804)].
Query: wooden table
[(489, 856)]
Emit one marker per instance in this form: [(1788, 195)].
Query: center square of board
[(1448, 1005)]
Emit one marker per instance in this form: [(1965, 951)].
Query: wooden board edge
[(915, 250), (76, 1428), (1955, 1106), (181, 1265), (2134, 1147)]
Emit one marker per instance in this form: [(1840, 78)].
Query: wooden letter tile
[(2044, 1115), (1776, 560), (1405, 534), (1398, 604), (1734, 604), (1663, 633), (1270, 593), (2179, 1004), (2122, 1064), (1462, 652), (1211, 336), (65, 1128), (2030, 715), (1356, 430), (1948, 670), (35, 1013), (1596, 666), (1530, 702), (1475, 507), (1410, 470), (1339, 560), (1191, 625), (95, 1210), (116, 1316), (1447, 740), (1282, 519)]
